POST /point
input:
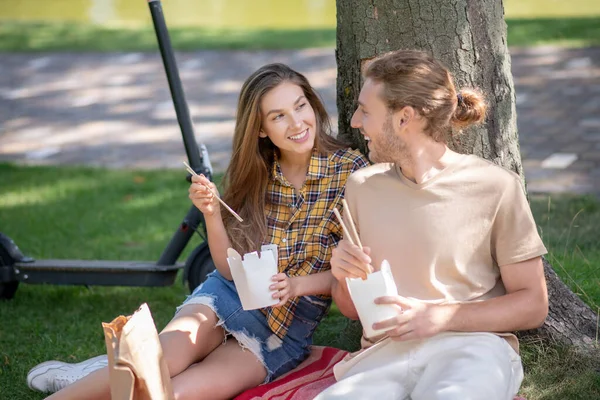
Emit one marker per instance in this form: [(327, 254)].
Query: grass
[(70, 212), (65, 36), (555, 373), (570, 228), (569, 32)]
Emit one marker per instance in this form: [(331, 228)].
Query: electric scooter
[(15, 267)]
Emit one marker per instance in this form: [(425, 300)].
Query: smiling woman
[(286, 176)]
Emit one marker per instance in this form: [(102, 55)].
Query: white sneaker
[(52, 376)]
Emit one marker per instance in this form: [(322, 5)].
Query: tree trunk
[(469, 37), (570, 321)]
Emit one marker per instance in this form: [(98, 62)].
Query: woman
[(286, 176)]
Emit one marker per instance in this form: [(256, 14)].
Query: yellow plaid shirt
[(302, 224)]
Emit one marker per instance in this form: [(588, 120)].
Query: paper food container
[(252, 276), (364, 293)]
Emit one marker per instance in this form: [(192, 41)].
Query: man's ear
[(403, 116)]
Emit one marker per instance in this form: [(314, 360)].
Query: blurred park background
[(90, 150), (124, 25)]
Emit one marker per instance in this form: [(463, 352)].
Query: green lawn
[(570, 227), (88, 213), (568, 32), (66, 36)]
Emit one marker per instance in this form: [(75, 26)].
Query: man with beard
[(460, 238)]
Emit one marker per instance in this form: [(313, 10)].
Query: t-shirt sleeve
[(515, 237)]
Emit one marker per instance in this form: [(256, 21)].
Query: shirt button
[(284, 240)]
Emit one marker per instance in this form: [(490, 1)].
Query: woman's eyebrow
[(295, 102)]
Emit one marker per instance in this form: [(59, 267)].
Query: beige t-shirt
[(445, 238)]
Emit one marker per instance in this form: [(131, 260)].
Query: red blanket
[(306, 381)]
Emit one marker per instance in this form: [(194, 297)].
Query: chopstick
[(191, 171), (352, 235), (346, 232), (351, 222)]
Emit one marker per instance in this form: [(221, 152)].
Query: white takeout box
[(364, 293), (252, 276)]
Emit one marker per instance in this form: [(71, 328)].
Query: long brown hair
[(414, 78), (248, 174)]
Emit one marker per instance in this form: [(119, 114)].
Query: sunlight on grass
[(45, 192), (131, 202), (61, 36)]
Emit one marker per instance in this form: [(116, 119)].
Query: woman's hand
[(202, 197), (284, 288)]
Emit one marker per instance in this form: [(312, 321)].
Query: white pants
[(449, 366)]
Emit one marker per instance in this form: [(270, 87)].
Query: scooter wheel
[(197, 266), (7, 289)]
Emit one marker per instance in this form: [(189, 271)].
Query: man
[(460, 238)]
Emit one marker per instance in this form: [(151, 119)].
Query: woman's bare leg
[(223, 374), (189, 337)]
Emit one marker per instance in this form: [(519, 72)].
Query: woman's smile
[(300, 137)]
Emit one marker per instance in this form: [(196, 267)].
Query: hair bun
[(470, 108)]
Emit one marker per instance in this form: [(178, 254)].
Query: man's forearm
[(342, 299), (520, 310)]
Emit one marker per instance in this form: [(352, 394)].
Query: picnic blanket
[(304, 382)]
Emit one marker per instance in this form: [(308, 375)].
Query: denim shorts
[(250, 327)]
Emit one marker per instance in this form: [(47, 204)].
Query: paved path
[(115, 109)]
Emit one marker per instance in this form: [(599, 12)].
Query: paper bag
[(252, 276), (136, 365)]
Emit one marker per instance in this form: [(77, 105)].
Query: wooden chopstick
[(346, 231), (351, 222), (191, 171)]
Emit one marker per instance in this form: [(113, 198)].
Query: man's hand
[(349, 261), (415, 319)]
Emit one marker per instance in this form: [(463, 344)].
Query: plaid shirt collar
[(318, 168)]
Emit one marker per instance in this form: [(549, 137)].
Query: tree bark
[(469, 37), (570, 321)]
